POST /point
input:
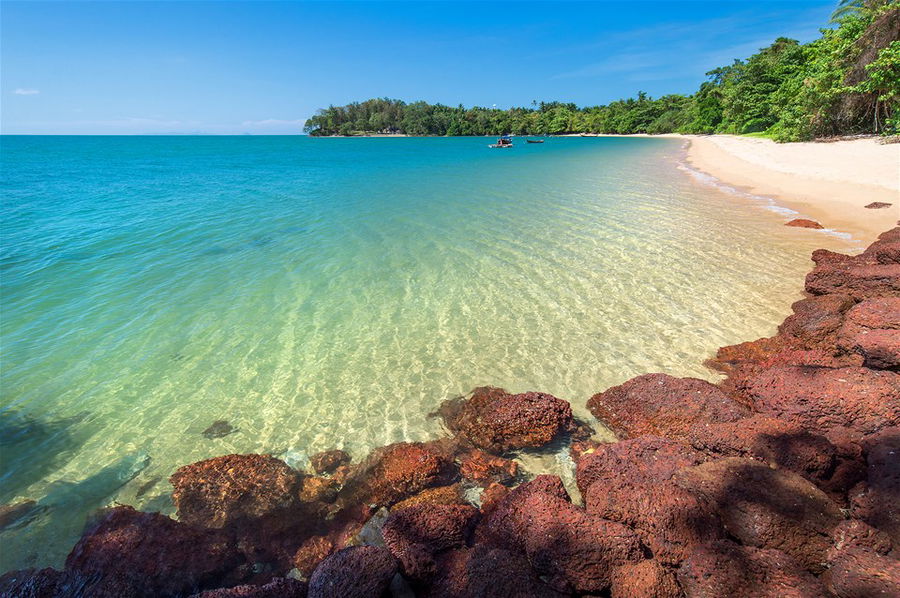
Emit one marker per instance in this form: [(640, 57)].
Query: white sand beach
[(830, 182)]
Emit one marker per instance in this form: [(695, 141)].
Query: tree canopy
[(845, 82)]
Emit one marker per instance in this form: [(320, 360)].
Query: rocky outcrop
[(766, 508), (355, 572), (487, 572), (497, 421), (277, 588), (660, 405), (872, 329), (643, 459), (727, 569), (416, 535), (395, 472), (820, 399), (877, 500), (128, 553), (485, 469)]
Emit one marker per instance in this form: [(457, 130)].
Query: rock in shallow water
[(218, 429), (805, 223), (328, 461)]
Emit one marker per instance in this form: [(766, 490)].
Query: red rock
[(878, 205), (858, 566), (492, 496), (816, 320), (486, 572), (312, 552), (580, 448), (872, 329), (646, 579), (729, 358), (571, 549), (804, 223), (670, 520), (502, 523), (774, 441), (855, 533), (484, 469), (860, 282), (128, 553), (497, 421), (857, 573), (819, 399), (234, 489), (355, 572), (395, 472), (277, 588), (48, 583), (726, 569), (441, 495), (328, 461), (766, 508), (417, 534), (317, 489), (643, 459), (877, 502), (661, 405)]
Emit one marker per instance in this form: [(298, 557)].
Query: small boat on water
[(503, 141), (534, 141)]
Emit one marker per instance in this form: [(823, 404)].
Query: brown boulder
[(670, 520), (441, 495), (661, 405), (485, 469), (395, 472), (766, 508), (497, 421), (503, 521), (49, 583), (858, 281), (643, 459), (328, 461), (355, 572), (417, 534), (222, 491), (572, 549), (646, 579), (816, 320), (486, 572), (277, 588), (877, 502), (804, 223), (820, 399), (774, 441), (878, 205), (312, 552), (872, 329), (129, 553), (723, 568), (858, 566)]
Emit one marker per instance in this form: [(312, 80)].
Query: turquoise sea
[(322, 293)]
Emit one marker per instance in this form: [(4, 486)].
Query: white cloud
[(24, 91)]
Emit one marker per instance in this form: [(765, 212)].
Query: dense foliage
[(845, 82)]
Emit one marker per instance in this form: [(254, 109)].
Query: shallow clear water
[(321, 293)]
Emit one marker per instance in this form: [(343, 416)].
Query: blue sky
[(264, 67)]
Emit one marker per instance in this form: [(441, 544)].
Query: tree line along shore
[(843, 83)]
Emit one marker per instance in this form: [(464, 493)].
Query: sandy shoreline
[(828, 182)]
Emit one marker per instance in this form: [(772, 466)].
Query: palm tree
[(848, 7)]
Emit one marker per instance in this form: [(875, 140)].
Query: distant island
[(845, 82)]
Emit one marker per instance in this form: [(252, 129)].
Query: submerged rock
[(218, 429), (660, 405), (485, 469), (328, 461), (440, 495), (497, 421), (234, 489)]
